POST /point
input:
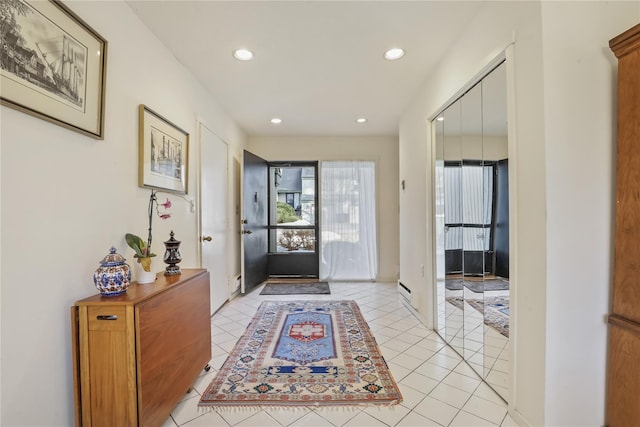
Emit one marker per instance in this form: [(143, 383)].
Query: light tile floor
[(438, 388)]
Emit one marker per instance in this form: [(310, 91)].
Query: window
[(292, 219), (468, 210), (348, 221)]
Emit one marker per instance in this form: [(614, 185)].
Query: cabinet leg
[(207, 368)]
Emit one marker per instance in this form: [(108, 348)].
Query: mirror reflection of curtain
[(348, 221), (468, 193)]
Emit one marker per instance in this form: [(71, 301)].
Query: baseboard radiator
[(405, 294)]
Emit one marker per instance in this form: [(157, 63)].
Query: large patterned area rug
[(304, 353)]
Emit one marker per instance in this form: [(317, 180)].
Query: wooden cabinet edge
[(75, 361), (132, 383), (621, 322), (626, 42), (138, 293), (623, 341), (80, 361)]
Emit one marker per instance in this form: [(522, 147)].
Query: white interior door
[(214, 213)]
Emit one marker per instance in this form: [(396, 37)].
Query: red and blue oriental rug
[(304, 353)]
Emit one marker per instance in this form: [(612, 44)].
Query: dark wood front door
[(254, 231)]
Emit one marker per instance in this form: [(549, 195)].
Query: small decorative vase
[(143, 276), (172, 256), (113, 277)]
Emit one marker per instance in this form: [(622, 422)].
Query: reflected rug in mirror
[(477, 285), (304, 353), (305, 288), (494, 309)]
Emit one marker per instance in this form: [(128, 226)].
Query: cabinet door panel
[(174, 342), (113, 388), (623, 403)]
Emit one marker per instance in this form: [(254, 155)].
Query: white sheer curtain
[(348, 221)]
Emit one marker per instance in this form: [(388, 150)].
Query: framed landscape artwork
[(52, 65), (163, 154)]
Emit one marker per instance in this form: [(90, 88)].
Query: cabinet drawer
[(106, 318)]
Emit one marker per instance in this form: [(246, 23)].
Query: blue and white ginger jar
[(113, 277)]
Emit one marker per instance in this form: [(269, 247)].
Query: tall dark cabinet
[(623, 376)]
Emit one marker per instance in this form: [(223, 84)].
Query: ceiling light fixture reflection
[(243, 54), (440, 119), (361, 120), (395, 53), (276, 121)]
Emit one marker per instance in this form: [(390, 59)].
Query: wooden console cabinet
[(623, 375), (137, 354)]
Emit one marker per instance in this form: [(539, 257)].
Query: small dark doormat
[(296, 288)]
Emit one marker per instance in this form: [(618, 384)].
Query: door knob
[(206, 238), (247, 231)]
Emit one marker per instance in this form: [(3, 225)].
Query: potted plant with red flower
[(141, 248)]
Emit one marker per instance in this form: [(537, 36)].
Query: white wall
[(580, 84), (384, 150), (562, 77), (67, 198)]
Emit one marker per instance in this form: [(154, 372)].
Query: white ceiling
[(318, 64)]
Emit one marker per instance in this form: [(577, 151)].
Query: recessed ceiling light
[(361, 120), (395, 53), (243, 54), (276, 121)]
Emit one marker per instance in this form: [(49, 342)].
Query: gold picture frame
[(163, 153), (53, 66)]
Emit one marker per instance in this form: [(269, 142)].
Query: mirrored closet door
[(472, 228)]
